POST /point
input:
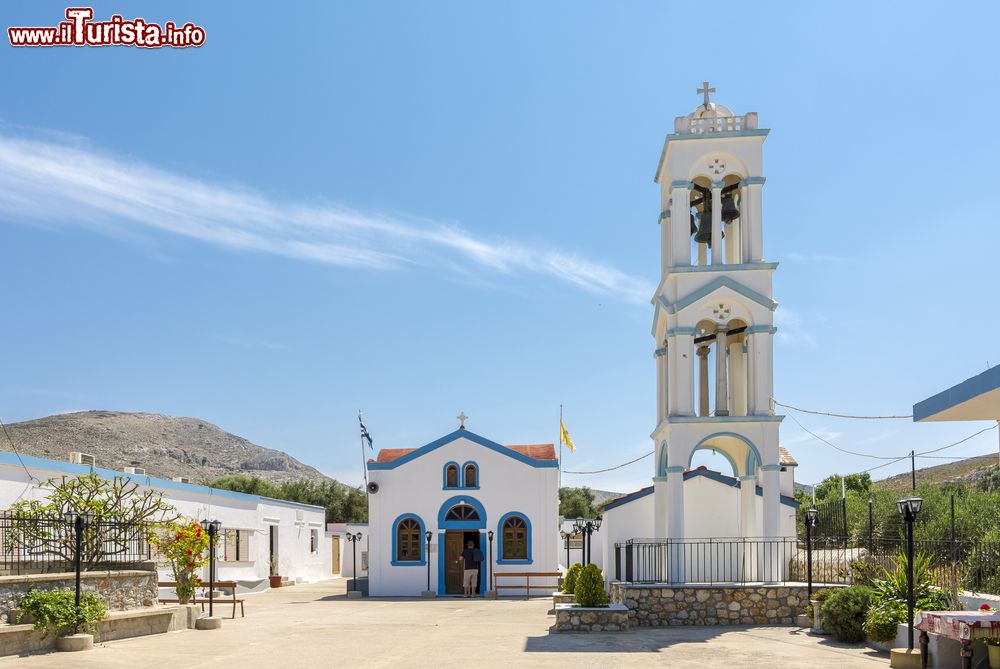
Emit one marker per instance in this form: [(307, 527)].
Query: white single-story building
[(349, 557), (255, 529), (460, 488)]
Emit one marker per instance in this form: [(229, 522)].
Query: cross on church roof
[(706, 91), (461, 418)]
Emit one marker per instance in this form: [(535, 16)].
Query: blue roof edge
[(972, 387), (12, 459)]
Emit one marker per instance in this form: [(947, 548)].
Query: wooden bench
[(527, 576), (231, 585)]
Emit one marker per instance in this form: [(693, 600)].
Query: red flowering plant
[(184, 544)]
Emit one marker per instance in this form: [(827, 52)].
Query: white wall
[(416, 487), (711, 511), (294, 522)]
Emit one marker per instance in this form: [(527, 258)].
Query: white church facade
[(426, 503), (713, 329)]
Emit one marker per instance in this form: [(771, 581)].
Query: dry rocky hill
[(164, 446), (967, 471)]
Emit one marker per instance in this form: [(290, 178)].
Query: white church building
[(713, 330), (426, 503)]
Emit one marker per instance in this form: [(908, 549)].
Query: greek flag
[(364, 432)]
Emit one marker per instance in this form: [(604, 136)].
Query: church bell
[(729, 210), (704, 233)]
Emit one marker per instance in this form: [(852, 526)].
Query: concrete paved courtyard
[(315, 625)]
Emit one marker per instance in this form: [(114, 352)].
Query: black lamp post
[(909, 508), (354, 539), (812, 515), (489, 535), (565, 537), (212, 527), (427, 535), (78, 521), (587, 528)]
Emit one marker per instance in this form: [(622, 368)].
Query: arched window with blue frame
[(514, 531), (408, 541), (470, 475), (451, 476)]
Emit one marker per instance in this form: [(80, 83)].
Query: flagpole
[(560, 444), (364, 464)]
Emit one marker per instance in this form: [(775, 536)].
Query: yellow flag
[(564, 436)]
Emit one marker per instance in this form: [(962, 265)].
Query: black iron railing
[(48, 544), (724, 560)]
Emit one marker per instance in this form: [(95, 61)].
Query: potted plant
[(274, 578), (55, 612), (992, 645), (185, 545)]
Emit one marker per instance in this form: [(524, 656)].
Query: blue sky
[(421, 208)]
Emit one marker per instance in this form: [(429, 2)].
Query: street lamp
[(427, 535), (212, 527), (489, 535), (587, 528), (78, 521), (908, 509), (354, 539), (812, 515)]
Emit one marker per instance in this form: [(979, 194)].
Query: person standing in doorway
[(471, 559)]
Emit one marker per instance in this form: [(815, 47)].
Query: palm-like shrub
[(569, 581), (888, 603), (590, 588)]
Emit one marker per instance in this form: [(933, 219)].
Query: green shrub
[(590, 587), (844, 612), (569, 581), (882, 620), (888, 605), (55, 611)]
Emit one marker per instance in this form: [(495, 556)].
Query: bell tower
[(713, 317)]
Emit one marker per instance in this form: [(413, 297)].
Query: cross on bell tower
[(461, 420), (706, 91)]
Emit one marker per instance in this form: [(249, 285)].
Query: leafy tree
[(576, 503), (122, 515), (831, 486)]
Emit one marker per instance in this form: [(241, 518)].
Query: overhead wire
[(838, 415), (16, 453)]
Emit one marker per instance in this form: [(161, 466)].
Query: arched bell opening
[(703, 202), (721, 376), (739, 455)]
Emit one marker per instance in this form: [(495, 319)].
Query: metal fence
[(737, 560), (49, 544), (968, 565)]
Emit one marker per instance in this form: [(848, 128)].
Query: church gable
[(533, 455)]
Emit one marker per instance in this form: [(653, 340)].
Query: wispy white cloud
[(791, 329), (55, 181)]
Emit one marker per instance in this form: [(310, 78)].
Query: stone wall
[(121, 590), (662, 605), (569, 618)]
